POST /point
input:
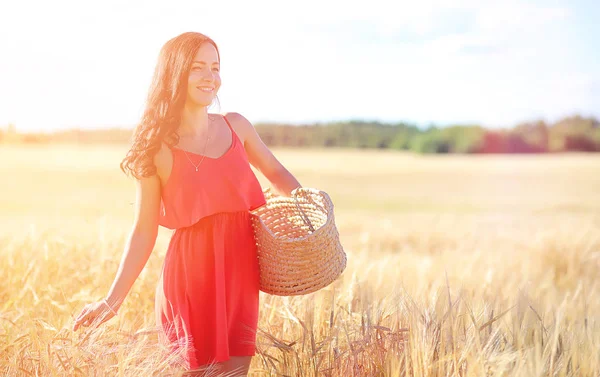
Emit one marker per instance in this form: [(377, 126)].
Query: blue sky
[(68, 64)]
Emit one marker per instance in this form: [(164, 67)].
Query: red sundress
[(208, 292)]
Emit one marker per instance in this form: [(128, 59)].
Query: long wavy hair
[(165, 103)]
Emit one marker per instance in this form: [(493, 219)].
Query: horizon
[(483, 63), (422, 127)]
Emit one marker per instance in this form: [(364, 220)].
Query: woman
[(193, 175)]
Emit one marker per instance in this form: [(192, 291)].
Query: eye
[(217, 69)]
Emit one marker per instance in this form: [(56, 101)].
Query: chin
[(201, 103)]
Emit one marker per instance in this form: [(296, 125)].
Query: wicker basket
[(299, 251)]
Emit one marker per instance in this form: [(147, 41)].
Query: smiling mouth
[(205, 89)]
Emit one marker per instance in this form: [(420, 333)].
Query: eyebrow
[(203, 62)]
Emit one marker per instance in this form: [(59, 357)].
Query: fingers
[(85, 321), (91, 315), (77, 323), (79, 318), (82, 318)]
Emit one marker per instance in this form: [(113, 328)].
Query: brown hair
[(165, 102)]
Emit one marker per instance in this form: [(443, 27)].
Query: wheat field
[(457, 266)]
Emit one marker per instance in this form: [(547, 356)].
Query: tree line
[(573, 133)]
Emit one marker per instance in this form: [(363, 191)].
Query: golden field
[(457, 266)]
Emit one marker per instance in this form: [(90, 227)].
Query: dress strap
[(234, 136), (228, 124)]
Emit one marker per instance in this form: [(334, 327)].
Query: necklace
[(203, 154)]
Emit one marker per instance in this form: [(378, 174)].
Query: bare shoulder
[(238, 119), (162, 153), (163, 160), (162, 156), (241, 125), (259, 155)]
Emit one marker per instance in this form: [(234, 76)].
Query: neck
[(194, 121)]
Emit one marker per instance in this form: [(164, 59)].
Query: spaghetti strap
[(233, 134), (228, 124)]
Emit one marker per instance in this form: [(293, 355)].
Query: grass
[(457, 266)]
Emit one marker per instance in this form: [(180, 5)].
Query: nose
[(208, 78), (207, 81)]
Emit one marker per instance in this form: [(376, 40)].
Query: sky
[(75, 64)]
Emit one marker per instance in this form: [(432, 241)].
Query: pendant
[(196, 169)]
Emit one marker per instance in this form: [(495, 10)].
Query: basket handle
[(310, 198), (303, 214)]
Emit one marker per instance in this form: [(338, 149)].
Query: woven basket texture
[(299, 250)]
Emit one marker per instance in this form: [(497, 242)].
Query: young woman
[(193, 175)]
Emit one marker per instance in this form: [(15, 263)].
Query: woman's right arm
[(140, 243), (138, 248)]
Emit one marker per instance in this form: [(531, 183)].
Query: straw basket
[(299, 251)]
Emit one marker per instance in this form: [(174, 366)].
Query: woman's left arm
[(261, 157)]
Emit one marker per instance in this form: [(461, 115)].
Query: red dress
[(207, 295)]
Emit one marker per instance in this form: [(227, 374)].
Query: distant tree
[(516, 144), (580, 143), (569, 133), (464, 138), (493, 142), (534, 134), (431, 141)]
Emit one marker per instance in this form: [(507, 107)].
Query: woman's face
[(204, 79)]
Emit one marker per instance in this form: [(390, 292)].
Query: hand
[(95, 314)]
